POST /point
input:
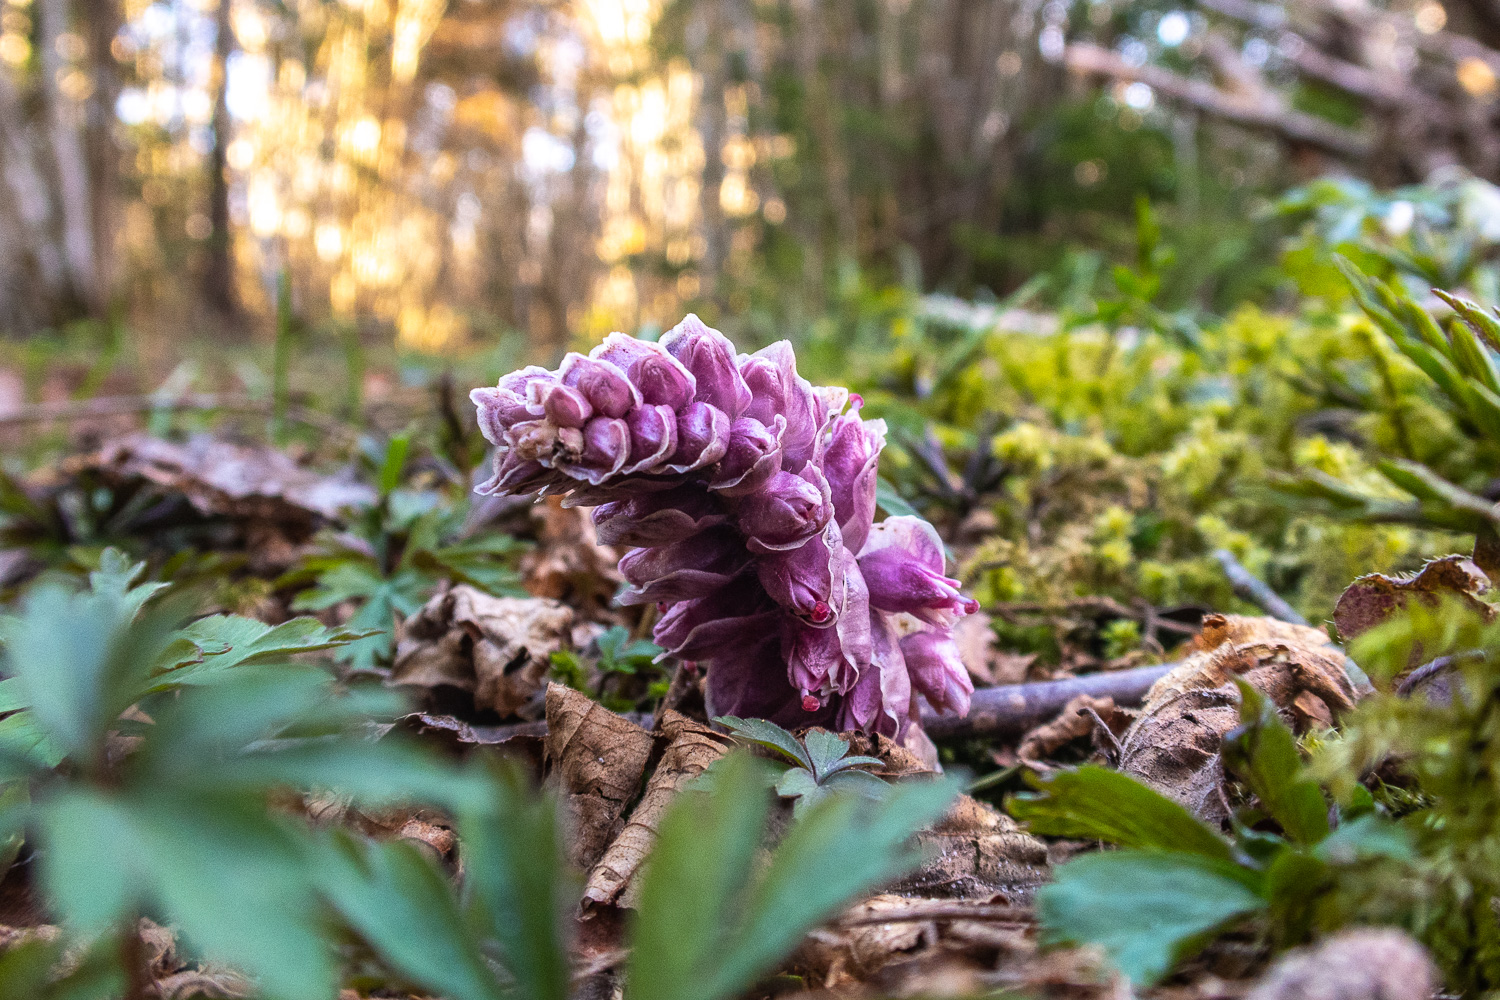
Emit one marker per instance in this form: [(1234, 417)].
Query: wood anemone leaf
[(772, 737), (516, 871), (396, 899), (1095, 803), (1148, 910), (1262, 753), (712, 921)]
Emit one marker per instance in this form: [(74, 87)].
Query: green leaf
[(841, 847), (769, 735), (1095, 803), (12, 697), (708, 925), (824, 749), (1262, 753), (1368, 836), (516, 870), (392, 464), (15, 798), (398, 901), (1295, 882), (1147, 910), (795, 781), (890, 501), (694, 881)]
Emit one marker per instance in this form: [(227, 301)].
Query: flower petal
[(653, 437), (657, 518), (685, 570), (702, 437), (710, 357), (851, 461), (776, 388), (661, 379), (604, 385), (787, 511), (937, 670), (753, 456), (606, 449)]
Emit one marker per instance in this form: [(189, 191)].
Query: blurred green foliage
[(149, 765)]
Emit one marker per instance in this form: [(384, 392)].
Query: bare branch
[(1269, 116)]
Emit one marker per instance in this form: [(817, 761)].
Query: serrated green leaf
[(1147, 910), (1095, 803), (796, 781), (844, 763)]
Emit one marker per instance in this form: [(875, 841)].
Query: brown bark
[(218, 275)]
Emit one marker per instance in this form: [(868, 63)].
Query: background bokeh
[(439, 175)]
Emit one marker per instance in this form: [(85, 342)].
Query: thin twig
[(1429, 670), (1012, 709), (1255, 590), (942, 909), (1270, 116)]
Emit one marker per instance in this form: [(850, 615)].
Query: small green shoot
[(820, 760)]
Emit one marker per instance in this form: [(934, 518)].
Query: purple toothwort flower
[(747, 497)]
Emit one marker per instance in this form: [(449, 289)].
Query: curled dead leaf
[(496, 648), (1374, 599), (598, 759), (1174, 744), (1080, 718), (691, 748), (840, 955)]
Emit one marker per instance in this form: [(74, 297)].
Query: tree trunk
[(74, 190), (218, 275)]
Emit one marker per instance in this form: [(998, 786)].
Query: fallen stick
[(1012, 709), (1255, 590), (1008, 710), (941, 909)]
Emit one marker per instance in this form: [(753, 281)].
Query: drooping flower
[(747, 496)]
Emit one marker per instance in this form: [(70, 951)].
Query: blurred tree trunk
[(101, 22), (31, 268), (74, 191), (218, 275)]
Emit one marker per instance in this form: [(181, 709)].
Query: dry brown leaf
[(841, 955), (599, 759), (1072, 723), (691, 748), (1012, 668), (497, 648), (976, 646), (899, 761), (568, 562), (1372, 600), (1174, 743), (239, 480), (977, 851)]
